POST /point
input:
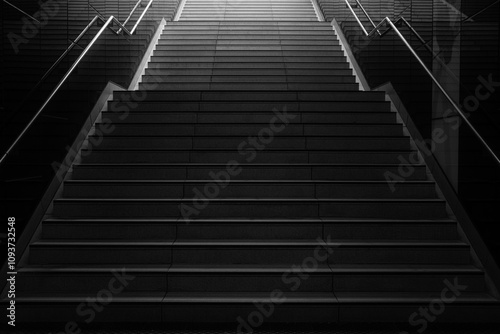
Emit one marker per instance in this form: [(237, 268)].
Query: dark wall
[(28, 50), (462, 50), (480, 62)]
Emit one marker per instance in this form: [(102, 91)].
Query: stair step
[(397, 229), (223, 156), (159, 64), (148, 171), (166, 45), (247, 229), (320, 278), (90, 278), (251, 96), (229, 308), (203, 252), (237, 129), (404, 278), (244, 58), (248, 86), (217, 77), (126, 116), (352, 208), (100, 252), (377, 307), (246, 189), (202, 42), (135, 306), (241, 279), (396, 306), (229, 142), (248, 252), (220, 107)]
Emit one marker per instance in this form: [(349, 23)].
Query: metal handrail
[(366, 14), (469, 18), (375, 27), (75, 43), (70, 48), (122, 25), (106, 25), (131, 13), (62, 56), (22, 11), (401, 19), (392, 26), (150, 3)]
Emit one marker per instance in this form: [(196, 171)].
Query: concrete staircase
[(245, 180), (255, 10)]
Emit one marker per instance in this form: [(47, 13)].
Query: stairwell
[(248, 171)]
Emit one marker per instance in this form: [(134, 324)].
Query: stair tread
[(264, 112), (241, 268), (215, 91), (335, 269), (410, 297), (256, 243), (96, 243), (181, 297), (61, 297), (179, 268), (194, 164), (162, 125), (268, 149), (236, 200), (332, 243), (247, 297), (404, 268), (93, 268), (238, 220), (74, 181), (215, 136)]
